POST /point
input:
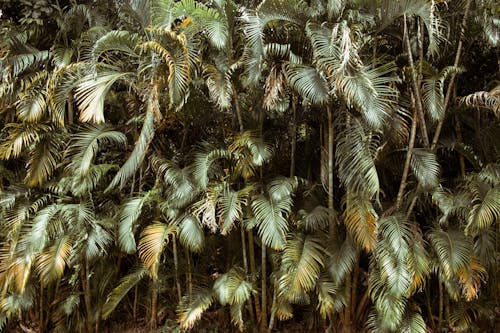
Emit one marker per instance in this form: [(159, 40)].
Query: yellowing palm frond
[(151, 244)]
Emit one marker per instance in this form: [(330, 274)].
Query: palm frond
[(151, 244), (128, 216), (191, 308), (485, 212), (433, 92), (301, 264), (91, 93), (308, 82), (87, 142), (486, 99), (115, 40), (330, 299), (341, 260), (52, 261), (191, 233), (120, 291), (43, 159), (140, 149), (220, 87), (361, 221), (425, 168), (20, 136), (271, 221), (20, 62), (316, 219), (355, 160)]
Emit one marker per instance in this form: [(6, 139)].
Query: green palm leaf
[(360, 220), (120, 291), (425, 167), (308, 82), (52, 262), (191, 233), (151, 244), (43, 159), (91, 93), (271, 221), (301, 263), (128, 216), (191, 308), (140, 149)]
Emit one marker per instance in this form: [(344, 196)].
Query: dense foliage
[(322, 165)]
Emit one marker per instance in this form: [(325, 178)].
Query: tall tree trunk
[(84, 276), (263, 312), (332, 223), (447, 97), (154, 305), (253, 271), (406, 168), (416, 87), (294, 135), (176, 269)]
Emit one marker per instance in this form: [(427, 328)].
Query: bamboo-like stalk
[(294, 135), (416, 86), (263, 311), (332, 226), (253, 271), (447, 97), (84, 276), (176, 268), (406, 168)]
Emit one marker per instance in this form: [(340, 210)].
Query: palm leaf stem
[(332, 228), (453, 75), (406, 168), (416, 86)]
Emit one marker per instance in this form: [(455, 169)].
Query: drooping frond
[(360, 220), (87, 142), (20, 62), (433, 92), (20, 136), (316, 219), (220, 87), (250, 152), (341, 260), (128, 216), (151, 244), (191, 309), (330, 298), (425, 168), (140, 149), (301, 264), (486, 99), (52, 261), (231, 207), (43, 159), (120, 291), (115, 40), (308, 82), (271, 220), (91, 93), (355, 160), (191, 233)]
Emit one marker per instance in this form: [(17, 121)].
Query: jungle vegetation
[(274, 166)]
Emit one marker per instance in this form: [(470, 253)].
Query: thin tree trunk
[(346, 322), (253, 271), (237, 109), (354, 288), (362, 305), (273, 310), (263, 313), (294, 135), (439, 126), (406, 168), (416, 87), (440, 318), (176, 268), (189, 281), (134, 309), (429, 308), (84, 275), (71, 100), (154, 305), (41, 309), (245, 266), (332, 226)]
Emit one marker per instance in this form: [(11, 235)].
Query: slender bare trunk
[(189, 277), (41, 309), (263, 312), (294, 135), (84, 276), (406, 168), (440, 318), (447, 97), (154, 305), (237, 109), (416, 87), (253, 271), (176, 269), (273, 310), (332, 226)]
